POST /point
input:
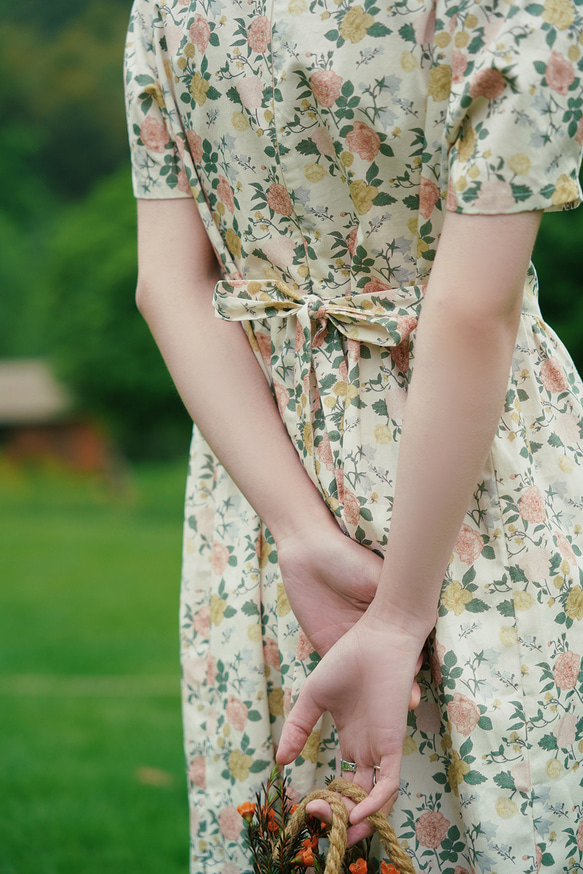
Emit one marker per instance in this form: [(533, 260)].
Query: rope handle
[(337, 834)]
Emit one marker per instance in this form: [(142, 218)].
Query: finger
[(321, 810), (383, 794), (415, 696), (419, 662), (363, 830), (298, 727)]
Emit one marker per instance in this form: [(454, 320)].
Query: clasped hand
[(366, 678)]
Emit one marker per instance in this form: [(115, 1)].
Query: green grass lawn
[(91, 764)]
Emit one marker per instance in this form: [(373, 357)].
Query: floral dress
[(323, 141)]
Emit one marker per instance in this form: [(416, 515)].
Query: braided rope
[(337, 835)]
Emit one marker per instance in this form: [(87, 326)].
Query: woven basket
[(337, 835)]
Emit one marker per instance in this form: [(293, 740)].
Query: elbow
[(143, 296)]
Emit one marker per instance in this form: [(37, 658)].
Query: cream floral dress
[(323, 141)]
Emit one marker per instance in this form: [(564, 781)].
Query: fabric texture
[(322, 142)]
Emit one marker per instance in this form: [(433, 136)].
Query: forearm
[(219, 378), (463, 354)]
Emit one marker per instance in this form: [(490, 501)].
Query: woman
[(361, 187)]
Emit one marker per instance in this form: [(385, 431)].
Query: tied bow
[(381, 317)]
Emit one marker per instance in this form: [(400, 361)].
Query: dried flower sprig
[(272, 848)]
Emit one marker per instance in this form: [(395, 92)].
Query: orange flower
[(306, 857), (246, 810), (388, 868), (358, 867)]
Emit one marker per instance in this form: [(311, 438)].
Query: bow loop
[(383, 317)]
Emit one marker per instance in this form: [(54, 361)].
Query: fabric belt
[(383, 318)]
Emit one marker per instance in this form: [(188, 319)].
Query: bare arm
[(214, 368), (463, 353), (466, 338), (225, 391)]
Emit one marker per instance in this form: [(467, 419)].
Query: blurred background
[(93, 445)]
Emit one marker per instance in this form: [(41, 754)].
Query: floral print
[(322, 141)]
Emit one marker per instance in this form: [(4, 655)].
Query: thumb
[(298, 727)]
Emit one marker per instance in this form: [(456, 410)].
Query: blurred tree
[(68, 88), (558, 258), (100, 344)]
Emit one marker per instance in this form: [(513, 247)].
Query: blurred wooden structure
[(38, 421)]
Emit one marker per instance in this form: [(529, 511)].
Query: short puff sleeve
[(157, 169), (514, 125)]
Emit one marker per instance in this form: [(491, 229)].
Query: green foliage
[(558, 258), (99, 342)]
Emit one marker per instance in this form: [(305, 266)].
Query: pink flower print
[(230, 823), (324, 452), (566, 670), (229, 868), (565, 730), (424, 27), (400, 355), (195, 146), (560, 73), (431, 828), (495, 196), (553, 376), (264, 343), (197, 772), (201, 621), (459, 65), (225, 194), (488, 83), (460, 870), (405, 324), (211, 670), (363, 141), (259, 34), (535, 563), (565, 548), (236, 712), (429, 195), (469, 544), (280, 251), (463, 713), (219, 558), (580, 835), (279, 200), (154, 135), (579, 134), (326, 86), (281, 396), (324, 142), (351, 240), (521, 776), (531, 505), (304, 647), (271, 652), (250, 90), (353, 349), (375, 285), (200, 33), (349, 501), (183, 184)]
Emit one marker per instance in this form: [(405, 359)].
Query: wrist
[(415, 621), (305, 519)]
